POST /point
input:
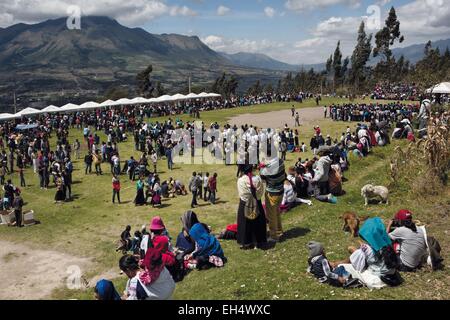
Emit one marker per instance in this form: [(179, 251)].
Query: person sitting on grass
[(325, 271), (409, 241), (208, 252), (105, 290), (157, 228), (152, 282), (125, 240), (184, 241)]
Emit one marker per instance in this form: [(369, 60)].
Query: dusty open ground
[(27, 273), (277, 119)]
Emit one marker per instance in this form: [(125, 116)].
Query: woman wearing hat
[(409, 240), (251, 220)]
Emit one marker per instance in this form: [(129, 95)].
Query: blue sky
[(293, 31)]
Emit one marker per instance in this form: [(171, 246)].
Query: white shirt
[(161, 289)]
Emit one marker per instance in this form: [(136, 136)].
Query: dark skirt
[(140, 198), (60, 196), (251, 231)]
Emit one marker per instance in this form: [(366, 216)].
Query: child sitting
[(323, 270)]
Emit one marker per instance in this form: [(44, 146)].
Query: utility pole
[(15, 104), (189, 84)]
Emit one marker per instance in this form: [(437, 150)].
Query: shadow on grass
[(295, 233)]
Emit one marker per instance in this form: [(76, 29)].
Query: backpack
[(435, 253)]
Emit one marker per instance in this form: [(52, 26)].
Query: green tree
[(144, 84), (360, 57), (384, 39), (337, 64), (159, 90)]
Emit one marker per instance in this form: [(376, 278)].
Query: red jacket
[(116, 185)]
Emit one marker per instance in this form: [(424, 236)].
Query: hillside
[(47, 59)]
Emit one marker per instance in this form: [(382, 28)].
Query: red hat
[(157, 224), (403, 215)]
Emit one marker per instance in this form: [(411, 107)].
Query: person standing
[(97, 162), (22, 177), (11, 161), (169, 157), (193, 187), (154, 159), (88, 163), (292, 111), (273, 174), (297, 119), (76, 149), (325, 109), (116, 188), (212, 186), (140, 196), (199, 185), (251, 222), (206, 194), (17, 205)]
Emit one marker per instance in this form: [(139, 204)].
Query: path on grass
[(277, 119), (27, 273)]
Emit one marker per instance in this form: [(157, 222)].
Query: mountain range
[(49, 63), (413, 53)]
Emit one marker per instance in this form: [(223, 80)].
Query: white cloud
[(222, 10), (219, 43), (302, 5), (269, 12), (132, 13)]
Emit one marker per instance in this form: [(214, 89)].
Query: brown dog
[(352, 222)]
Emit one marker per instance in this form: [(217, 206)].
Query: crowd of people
[(266, 187), (395, 91)]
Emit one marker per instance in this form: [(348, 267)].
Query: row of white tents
[(90, 105)]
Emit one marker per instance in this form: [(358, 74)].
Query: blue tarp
[(26, 126)]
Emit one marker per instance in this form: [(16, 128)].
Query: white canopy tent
[(191, 96), (106, 103), (7, 116), (120, 102), (213, 95), (164, 98), (202, 95), (443, 87), (28, 112), (50, 109), (179, 96), (139, 100), (89, 105), (69, 107)]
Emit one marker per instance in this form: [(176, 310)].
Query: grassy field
[(91, 225)]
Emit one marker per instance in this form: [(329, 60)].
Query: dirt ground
[(26, 273), (277, 119)]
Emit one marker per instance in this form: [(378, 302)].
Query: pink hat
[(157, 224)]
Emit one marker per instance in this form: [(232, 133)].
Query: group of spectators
[(395, 91)]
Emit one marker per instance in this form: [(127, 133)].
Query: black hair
[(128, 262), (408, 224)]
